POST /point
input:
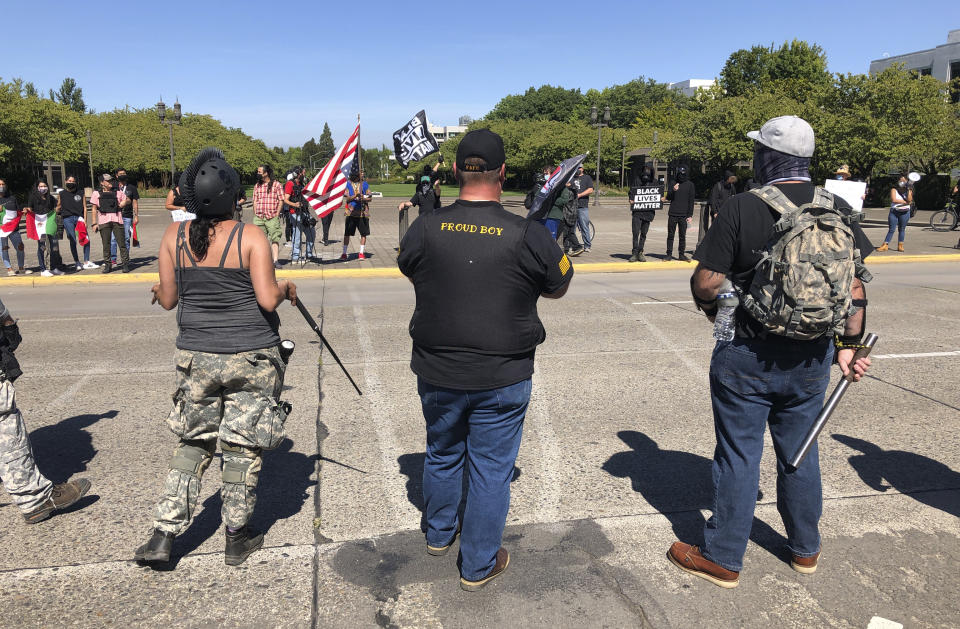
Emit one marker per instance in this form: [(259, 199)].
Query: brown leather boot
[(805, 565), (883, 247), (900, 246), (62, 496), (503, 560), (689, 559)]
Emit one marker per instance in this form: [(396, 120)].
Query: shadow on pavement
[(915, 475), (65, 448), (679, 485), (281, 494), (411, 466)]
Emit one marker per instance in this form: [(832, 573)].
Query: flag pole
[(359, 149)]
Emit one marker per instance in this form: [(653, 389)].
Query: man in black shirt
[(130, 211), (478, 271), (760, 378), (427, 195), (681, 196), (582, 184)]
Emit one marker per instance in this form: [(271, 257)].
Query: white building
[(942, 62), (445, 133), (690, 86)]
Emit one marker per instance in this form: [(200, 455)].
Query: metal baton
[(831, 405), (316, 328)]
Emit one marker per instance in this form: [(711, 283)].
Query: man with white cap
[(769, 375)]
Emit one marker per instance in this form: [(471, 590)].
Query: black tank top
[(218, 310)]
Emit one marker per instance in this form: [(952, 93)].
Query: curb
[(393, 272)]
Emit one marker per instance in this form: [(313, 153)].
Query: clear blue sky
[(279, 74)]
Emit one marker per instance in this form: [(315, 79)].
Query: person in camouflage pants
[(233, 399), (37, 497)]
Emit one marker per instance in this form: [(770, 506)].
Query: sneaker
[(576, 252), (503, 560), (689, 559), (24, 271), (57, 272), (113, 261), (90, 265), (276, 265), (11, 271), (61, 497), (288, 245), (360, 256), (343, 257), (805, 565), (78, 267), (586, 249), (157, 549), (46, 273), (241, 545), (303, 262), (683, 257), (668, 257)]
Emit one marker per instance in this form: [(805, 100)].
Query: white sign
[(179, 216), (850, 191)]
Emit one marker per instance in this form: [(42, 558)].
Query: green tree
[(627, 100), (70, 95), (325, 145), (760, 67), (34, 129), (541, 103)]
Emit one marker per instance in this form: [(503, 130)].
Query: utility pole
[(599, 125), (93, 184)]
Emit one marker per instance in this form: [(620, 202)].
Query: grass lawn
[(406, 190)]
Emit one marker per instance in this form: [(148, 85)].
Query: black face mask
[(259, 178), (122, 178), (72, 187)]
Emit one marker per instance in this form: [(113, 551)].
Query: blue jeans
[(754, 383), (70, 227), (483, 430), (302, 232), (583, 222), (898, 222), (127, 233), (16, 240), (553, 225)]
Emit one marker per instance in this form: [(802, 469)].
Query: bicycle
[(946, 219)]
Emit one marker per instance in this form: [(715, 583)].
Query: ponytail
[(200, 231)]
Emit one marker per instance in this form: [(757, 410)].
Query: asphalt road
[(614, 466)]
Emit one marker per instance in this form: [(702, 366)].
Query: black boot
[(126, 267), (241, 545), (157, 549), (107, 267)]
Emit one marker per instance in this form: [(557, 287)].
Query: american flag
[(325, 192)]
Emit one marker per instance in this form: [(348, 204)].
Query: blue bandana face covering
[(770, 166)]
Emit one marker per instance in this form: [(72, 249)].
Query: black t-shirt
[(41, 203), (579, 184), (426, 198), (542, 262), (681, 199), (71, 203), (131, 191), (743, 228)]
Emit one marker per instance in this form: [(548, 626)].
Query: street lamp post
[(623, 158), (93, 184), (599, 125), (175, 119)]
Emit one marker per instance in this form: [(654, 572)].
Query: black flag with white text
[(414, 141)]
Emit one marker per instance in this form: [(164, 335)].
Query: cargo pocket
[(265, 426), (177, 419)]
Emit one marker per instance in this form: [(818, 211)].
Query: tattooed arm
[(704, 285)]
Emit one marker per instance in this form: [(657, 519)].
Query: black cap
[(482, 143)]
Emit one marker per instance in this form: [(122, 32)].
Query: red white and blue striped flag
[(325, 192)]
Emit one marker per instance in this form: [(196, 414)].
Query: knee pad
[(190, 458), (237, 467)]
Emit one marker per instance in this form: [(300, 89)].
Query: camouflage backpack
[(801, 285)]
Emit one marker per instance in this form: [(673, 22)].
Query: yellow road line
[(393, 272)]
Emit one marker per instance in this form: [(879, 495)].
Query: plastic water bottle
[(727, 302)]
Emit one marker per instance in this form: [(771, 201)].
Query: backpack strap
[(779, 203)]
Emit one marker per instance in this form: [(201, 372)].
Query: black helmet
[(209, 185)]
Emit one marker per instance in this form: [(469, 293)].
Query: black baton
[(316, 328), (831, 405)]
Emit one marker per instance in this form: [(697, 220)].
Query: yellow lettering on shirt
[(469, 228)]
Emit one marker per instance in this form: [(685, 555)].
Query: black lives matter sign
[(646, 198)]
